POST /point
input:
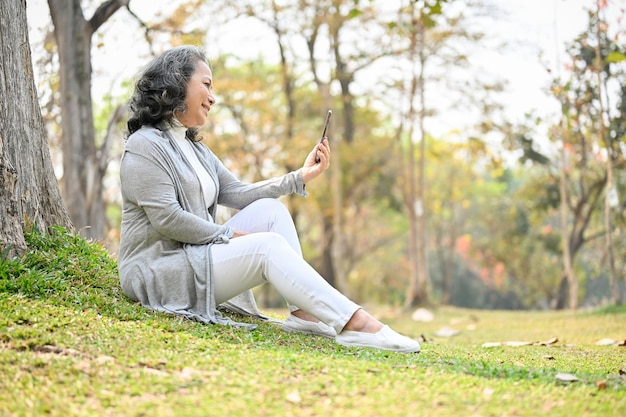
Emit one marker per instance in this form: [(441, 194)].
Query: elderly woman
[(174, 256)]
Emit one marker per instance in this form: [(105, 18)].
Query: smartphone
[(329, 116)]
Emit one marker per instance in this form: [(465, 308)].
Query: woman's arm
[(150, 187), (236, 194)]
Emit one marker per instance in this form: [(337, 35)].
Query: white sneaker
[(385, 339), (294, 324)]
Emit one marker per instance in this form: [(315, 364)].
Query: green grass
[(71, 344)]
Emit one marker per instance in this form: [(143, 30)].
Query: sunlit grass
[(72, 345)]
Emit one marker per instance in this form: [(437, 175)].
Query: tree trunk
[(611, 198), (423, 279), (83, 171), (569, 279), (417, 290), (29, 192), (562, 294)]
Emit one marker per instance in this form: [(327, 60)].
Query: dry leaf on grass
[(611, 342), (423, 315), (548, 342), (187, 373), (521, 343), (565, 377), (294, 397), (446, 332), (104, 359), (516, 343), (56, 350)]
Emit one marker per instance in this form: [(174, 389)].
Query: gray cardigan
[(167, 232)]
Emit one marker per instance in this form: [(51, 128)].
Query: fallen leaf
[(104, 359), (423, 315), (294, 397), (601, 384), (549, 357), (564, 377), (517, 343), (446, 332), (488, 392), (605, 342), (56, 350), (187, 373), (548, 342)]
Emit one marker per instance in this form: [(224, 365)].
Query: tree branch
[(104, 151), (146, 29), (104, 12)]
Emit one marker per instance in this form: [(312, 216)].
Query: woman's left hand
[(311, 168)]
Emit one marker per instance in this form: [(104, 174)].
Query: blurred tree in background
[(404, 217), (587, 143)]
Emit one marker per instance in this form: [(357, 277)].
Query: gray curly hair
[(161, 89)]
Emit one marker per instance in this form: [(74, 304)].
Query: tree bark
[(29, 192), (417, 293), (332, 265), (607, 141), (83, 172), (422, 276), (569, 279)]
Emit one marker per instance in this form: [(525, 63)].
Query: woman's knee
[(274, 248), (265, 243), (276, 242), (271, 205)]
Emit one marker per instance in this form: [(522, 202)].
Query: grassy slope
[(72, 345)]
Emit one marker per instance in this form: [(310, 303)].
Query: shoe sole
[(407, 350)]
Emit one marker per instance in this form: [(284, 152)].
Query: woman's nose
[(211, 99)]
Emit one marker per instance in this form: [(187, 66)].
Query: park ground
[(72, 345)]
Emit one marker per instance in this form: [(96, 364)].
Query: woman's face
[(199, 97)]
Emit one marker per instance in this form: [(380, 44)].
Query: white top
[(206, 183)]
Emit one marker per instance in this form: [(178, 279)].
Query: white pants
[(271, 253)]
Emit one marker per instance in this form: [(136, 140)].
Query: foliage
[(483, 219), (591, 130), (611, 310), (78, 348)]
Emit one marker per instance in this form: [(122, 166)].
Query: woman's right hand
[(313, 167), (238, 233)]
